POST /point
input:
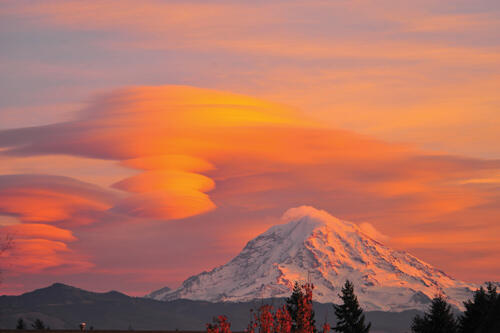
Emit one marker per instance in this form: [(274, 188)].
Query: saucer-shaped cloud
[(38, 230), (149, 121), (46, 198), (30, 255), (166, 180), (39, 247), (166, 194), (36, 200), (169, 162), (165, 204), (174, 132)]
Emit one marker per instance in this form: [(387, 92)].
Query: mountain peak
[(315, 246), (303, 223), (314, 218), (55, 288), (59, 285)]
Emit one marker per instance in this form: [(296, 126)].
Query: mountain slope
[(317, 246)]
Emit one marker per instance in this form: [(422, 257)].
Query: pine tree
[(482, 314), (292, 304), (38, 325), (21, 325), (295, 306), (439, 319), (350, 317)]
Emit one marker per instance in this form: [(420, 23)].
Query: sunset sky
[(142, 142)]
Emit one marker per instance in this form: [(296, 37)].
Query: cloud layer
[(212, 168), (34, 201), (418, 72)]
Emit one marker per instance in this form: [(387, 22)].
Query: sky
[(142, 142)]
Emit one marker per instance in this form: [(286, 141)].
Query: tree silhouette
[(21, 325), (39, 325), (350, 317), (5, 244), (482, 313), (292, 303), (439, 319)]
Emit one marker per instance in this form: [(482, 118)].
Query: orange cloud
[(43, 198), (200, 151), (169, 162), (37, 254), (36, 200), (38, 230), (412, 73), (165, 205), (166, 194), (246, 145), (39, 247), (166, 180)]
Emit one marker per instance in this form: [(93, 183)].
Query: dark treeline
[(37, 324), (481, 315)]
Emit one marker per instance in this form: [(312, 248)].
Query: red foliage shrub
[(305, 310), (326, 327), (220, 325), (265, 319), (283, 321)]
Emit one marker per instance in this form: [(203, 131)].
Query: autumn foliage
[(283, 320), (220, 325), (266, 320), (305, 310)]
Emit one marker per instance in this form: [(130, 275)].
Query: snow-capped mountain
[(317, 246)]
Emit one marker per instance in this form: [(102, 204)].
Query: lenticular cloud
[(191, 151)]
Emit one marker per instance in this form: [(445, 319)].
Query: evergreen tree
[(350, 317), (21, 325), (482, 314), (38, 325), (439, 319), (294, 305)]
